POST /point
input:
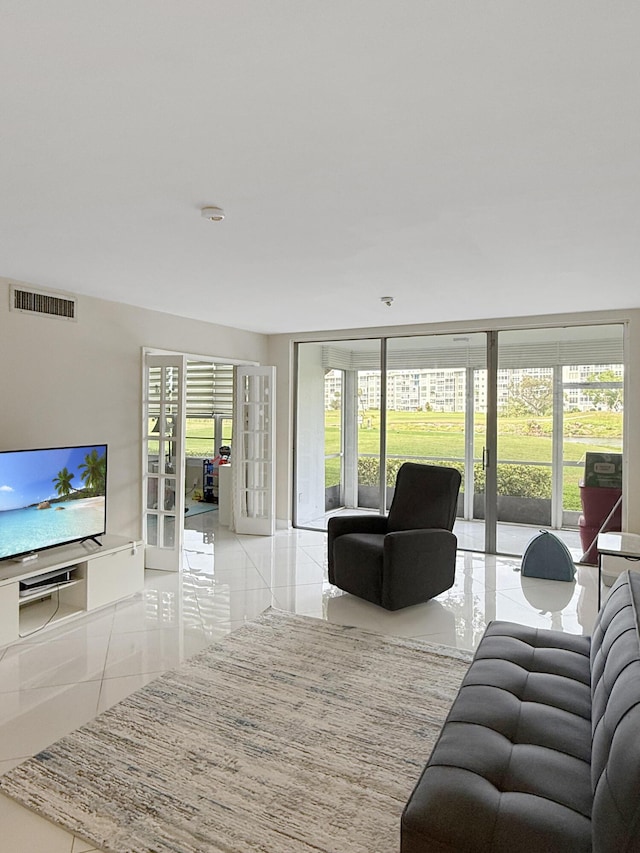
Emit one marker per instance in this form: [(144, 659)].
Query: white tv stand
[(98, 575)]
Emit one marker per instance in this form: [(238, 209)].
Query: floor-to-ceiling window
[(353, 430), (518, 425), (436, 414), (337, 429), (559, 397)]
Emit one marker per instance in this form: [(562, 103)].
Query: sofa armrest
[(417, 560), (341, 524)]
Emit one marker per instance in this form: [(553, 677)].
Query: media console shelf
[(76, 579)]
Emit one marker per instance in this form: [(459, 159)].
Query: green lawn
[(199, 438), (441, 435)]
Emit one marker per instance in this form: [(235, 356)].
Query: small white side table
[(624, 546)]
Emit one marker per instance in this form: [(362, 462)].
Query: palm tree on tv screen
[(63, 482), (94, 472)]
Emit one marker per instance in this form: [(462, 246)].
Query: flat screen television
[(50, 497)]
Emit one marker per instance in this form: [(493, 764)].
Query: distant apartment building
[(443, 390)]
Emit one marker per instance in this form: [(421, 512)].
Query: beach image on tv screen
[(51, 496)]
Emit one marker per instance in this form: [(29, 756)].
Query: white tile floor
[(53, 682)]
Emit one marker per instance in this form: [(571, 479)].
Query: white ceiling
[(472, 159)]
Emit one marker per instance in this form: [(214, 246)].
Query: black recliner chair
[(408, 556)]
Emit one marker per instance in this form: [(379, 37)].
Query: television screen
[(51, 497)]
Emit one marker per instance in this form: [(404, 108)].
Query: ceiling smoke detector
[(387, 300), (214, 214)]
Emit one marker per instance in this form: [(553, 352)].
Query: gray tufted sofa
[(540, 752)]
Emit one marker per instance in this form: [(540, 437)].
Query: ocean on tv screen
[(51, 496)]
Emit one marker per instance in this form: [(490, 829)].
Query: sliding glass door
[(354, 430), (436, 414), (559, 398), (338, 428), (516, 412)]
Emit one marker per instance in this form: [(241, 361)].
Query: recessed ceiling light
[(214, 214)]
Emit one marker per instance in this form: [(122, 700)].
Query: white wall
[(65, 383), (281, 354)]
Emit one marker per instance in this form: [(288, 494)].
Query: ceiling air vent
[(43, 303)]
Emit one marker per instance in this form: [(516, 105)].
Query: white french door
[(254, 451), (163, 460)]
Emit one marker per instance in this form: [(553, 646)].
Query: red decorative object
[(597, 503)]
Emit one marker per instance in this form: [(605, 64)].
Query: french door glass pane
[(169, 527), (153, 449), (170, 494), (171, 383), (152, 493), (152, 529)]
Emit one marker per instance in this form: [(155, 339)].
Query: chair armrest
[(417, 559), (340, 524)]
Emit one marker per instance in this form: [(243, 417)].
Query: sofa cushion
[(513, 758)]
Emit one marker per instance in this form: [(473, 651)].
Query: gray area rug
[(290, 735)]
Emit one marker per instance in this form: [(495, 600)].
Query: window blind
[(209, 389)]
